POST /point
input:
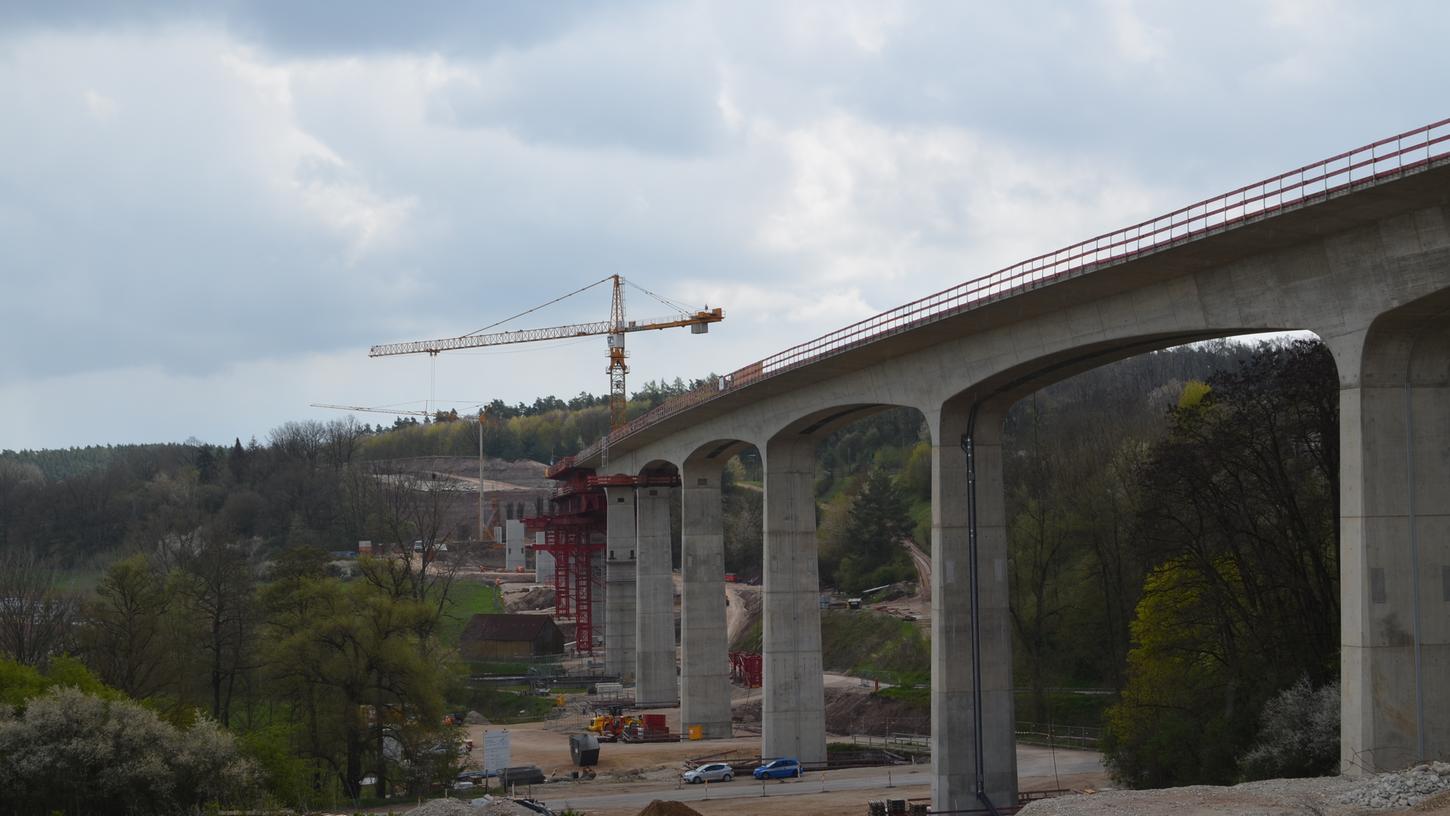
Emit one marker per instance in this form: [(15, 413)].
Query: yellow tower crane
[(616, 327)]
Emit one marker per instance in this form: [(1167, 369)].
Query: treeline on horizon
[(543, 430), (1172, 525)]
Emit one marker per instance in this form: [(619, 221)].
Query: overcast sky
[(209, 211)]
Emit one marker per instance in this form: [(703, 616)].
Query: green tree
[(1239, 502), (879, 522), (1176, 720), (125, 634), (352, 659)]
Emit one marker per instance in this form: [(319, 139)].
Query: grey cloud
[(153, 224), (330, 27), (1212, 105), (648, 83)]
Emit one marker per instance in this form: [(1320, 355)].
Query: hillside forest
[(1172, 530)]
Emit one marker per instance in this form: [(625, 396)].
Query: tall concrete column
[(655, 679), (619, 578), (704, 657), (953, 731), (543, 562), (515, 556), (598, 569), (794, 712), (1394, 429)]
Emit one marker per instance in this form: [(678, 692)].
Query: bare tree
[(408, 516), (36, 615), (300, 440), (340, 441)]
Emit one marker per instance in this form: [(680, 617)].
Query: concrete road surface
[(1036, 768)]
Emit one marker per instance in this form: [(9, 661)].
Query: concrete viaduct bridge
[(1355, 249)]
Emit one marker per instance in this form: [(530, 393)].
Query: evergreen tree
[(879, 521)]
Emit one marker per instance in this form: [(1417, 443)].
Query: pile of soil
[(855, 711), (530, 600), (849, 711), (659, 807)]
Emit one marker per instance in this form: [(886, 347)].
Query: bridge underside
[(1370, 276)]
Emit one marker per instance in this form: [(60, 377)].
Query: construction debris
[(1401, 789)]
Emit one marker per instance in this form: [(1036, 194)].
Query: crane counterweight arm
[(701, 318)]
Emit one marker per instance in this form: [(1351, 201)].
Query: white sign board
[(495, 750)]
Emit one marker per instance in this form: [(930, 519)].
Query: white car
[(712, 772)]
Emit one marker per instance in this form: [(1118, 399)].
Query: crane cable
[(662, 299), (540, 306)]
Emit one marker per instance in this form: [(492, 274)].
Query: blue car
[(784, 768)]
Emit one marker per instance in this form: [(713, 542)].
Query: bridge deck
[(1355, 187)]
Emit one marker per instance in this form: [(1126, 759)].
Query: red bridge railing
[(1366, 166)]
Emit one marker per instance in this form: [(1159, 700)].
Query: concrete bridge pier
[(619, 580), (1394, 431), (793, 713), (655, 679), (953, 730), (704, 662)]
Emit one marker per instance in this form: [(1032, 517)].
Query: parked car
[(782, 768), (711, 772)]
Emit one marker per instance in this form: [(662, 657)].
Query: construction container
[(609, 689), (584, 749)]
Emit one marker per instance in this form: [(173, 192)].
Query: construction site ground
[(631, 775)]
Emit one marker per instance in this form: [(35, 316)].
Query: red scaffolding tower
[(574, 534)]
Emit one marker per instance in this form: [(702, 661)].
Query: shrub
[(1298, 735), (81, 754)]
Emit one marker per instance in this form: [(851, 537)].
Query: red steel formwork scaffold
[(574, 534)]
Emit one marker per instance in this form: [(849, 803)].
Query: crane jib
[(533, 335)]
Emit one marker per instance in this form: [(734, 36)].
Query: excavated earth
[(1327, 796)]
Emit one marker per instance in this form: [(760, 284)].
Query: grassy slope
[(867, 644), (466, 599)]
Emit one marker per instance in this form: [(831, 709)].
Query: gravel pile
[(1269, 797), (453, 807), (442, 807), (1401, 789)]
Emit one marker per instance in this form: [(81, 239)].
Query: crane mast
[(615, 328), (617, 367)]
